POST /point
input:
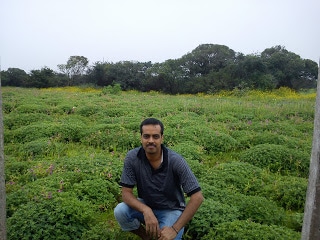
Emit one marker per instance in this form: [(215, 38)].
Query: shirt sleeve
[(189, 182), (128, 177)]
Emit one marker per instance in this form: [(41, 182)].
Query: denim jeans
[(130, 219)]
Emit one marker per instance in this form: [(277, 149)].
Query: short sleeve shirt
[(164, 187)]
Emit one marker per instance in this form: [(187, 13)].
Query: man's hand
[(152, 224), (167, 233)]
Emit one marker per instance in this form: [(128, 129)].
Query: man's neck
[(154, 157), (155, 160)]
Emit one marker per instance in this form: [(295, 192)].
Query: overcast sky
[(38, 33)]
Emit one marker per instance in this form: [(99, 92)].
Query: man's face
[(151, 138)]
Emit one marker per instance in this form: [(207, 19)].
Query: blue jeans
[(130, 219)]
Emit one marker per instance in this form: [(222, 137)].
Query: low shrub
[(42, 147), (189, 150), (14, 168), (30, 132), (107, 229), (277, 158), (257, 209), (210, 140), (43, 188), (217, 142), (70, 129), (63, 217), (254, 208), (115, 89), (65, 130), (16, 120), (239, 230), (208, 216), (238, 176), (101, 193), (251, 138), (106, 164), (88, 110), (33, 108), (288, 191)]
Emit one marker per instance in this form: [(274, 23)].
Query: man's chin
[(151, 150)]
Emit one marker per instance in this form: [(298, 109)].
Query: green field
[(64, 150)]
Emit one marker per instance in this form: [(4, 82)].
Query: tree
[(14, 77), (41, 78), (75, 67), (208, 57), (288, 69), (252, 72), (97, 74)]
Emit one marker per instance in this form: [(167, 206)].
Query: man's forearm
[(188, 213), (134, 203)]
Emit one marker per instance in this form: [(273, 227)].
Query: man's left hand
[(167, 233)]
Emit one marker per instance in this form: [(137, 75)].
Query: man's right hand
[(151, 223)]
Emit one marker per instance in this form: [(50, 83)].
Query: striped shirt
[(160, 188)]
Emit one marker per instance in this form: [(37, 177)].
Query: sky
[(44, 33)]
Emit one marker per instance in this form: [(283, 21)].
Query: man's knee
[(120, 211), (123, 215)]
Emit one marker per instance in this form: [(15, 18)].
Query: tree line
[(208, 68)]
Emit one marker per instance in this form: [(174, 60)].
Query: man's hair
[(151, 121)]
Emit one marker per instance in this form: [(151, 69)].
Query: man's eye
[(146, 136), (156, 136)]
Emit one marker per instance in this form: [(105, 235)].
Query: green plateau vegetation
[(64, 151)]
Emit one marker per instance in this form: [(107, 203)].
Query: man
[(161, 176)]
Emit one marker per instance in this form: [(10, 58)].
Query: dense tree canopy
[(208, 68), (75, 67)]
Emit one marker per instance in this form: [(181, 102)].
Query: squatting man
[(162, 177)]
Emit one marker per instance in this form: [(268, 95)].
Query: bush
[(16, 120), (289, 192), (68, 129), (254, 208), (33, 108), (238, 176), (42, 147), (210, 140), (112, 137), (257, 209), (189, 150), (30, 132), (88, 110), (63, 217), (252, 138), (115, 89), (108, 230), (99, 192), (208, 216), (239, 230), (277, 158), (217, 142), (42, 188)]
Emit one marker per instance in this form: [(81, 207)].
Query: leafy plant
[(277, 158), (239, 230), (63, 217), (208, 216), (115, 89)]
